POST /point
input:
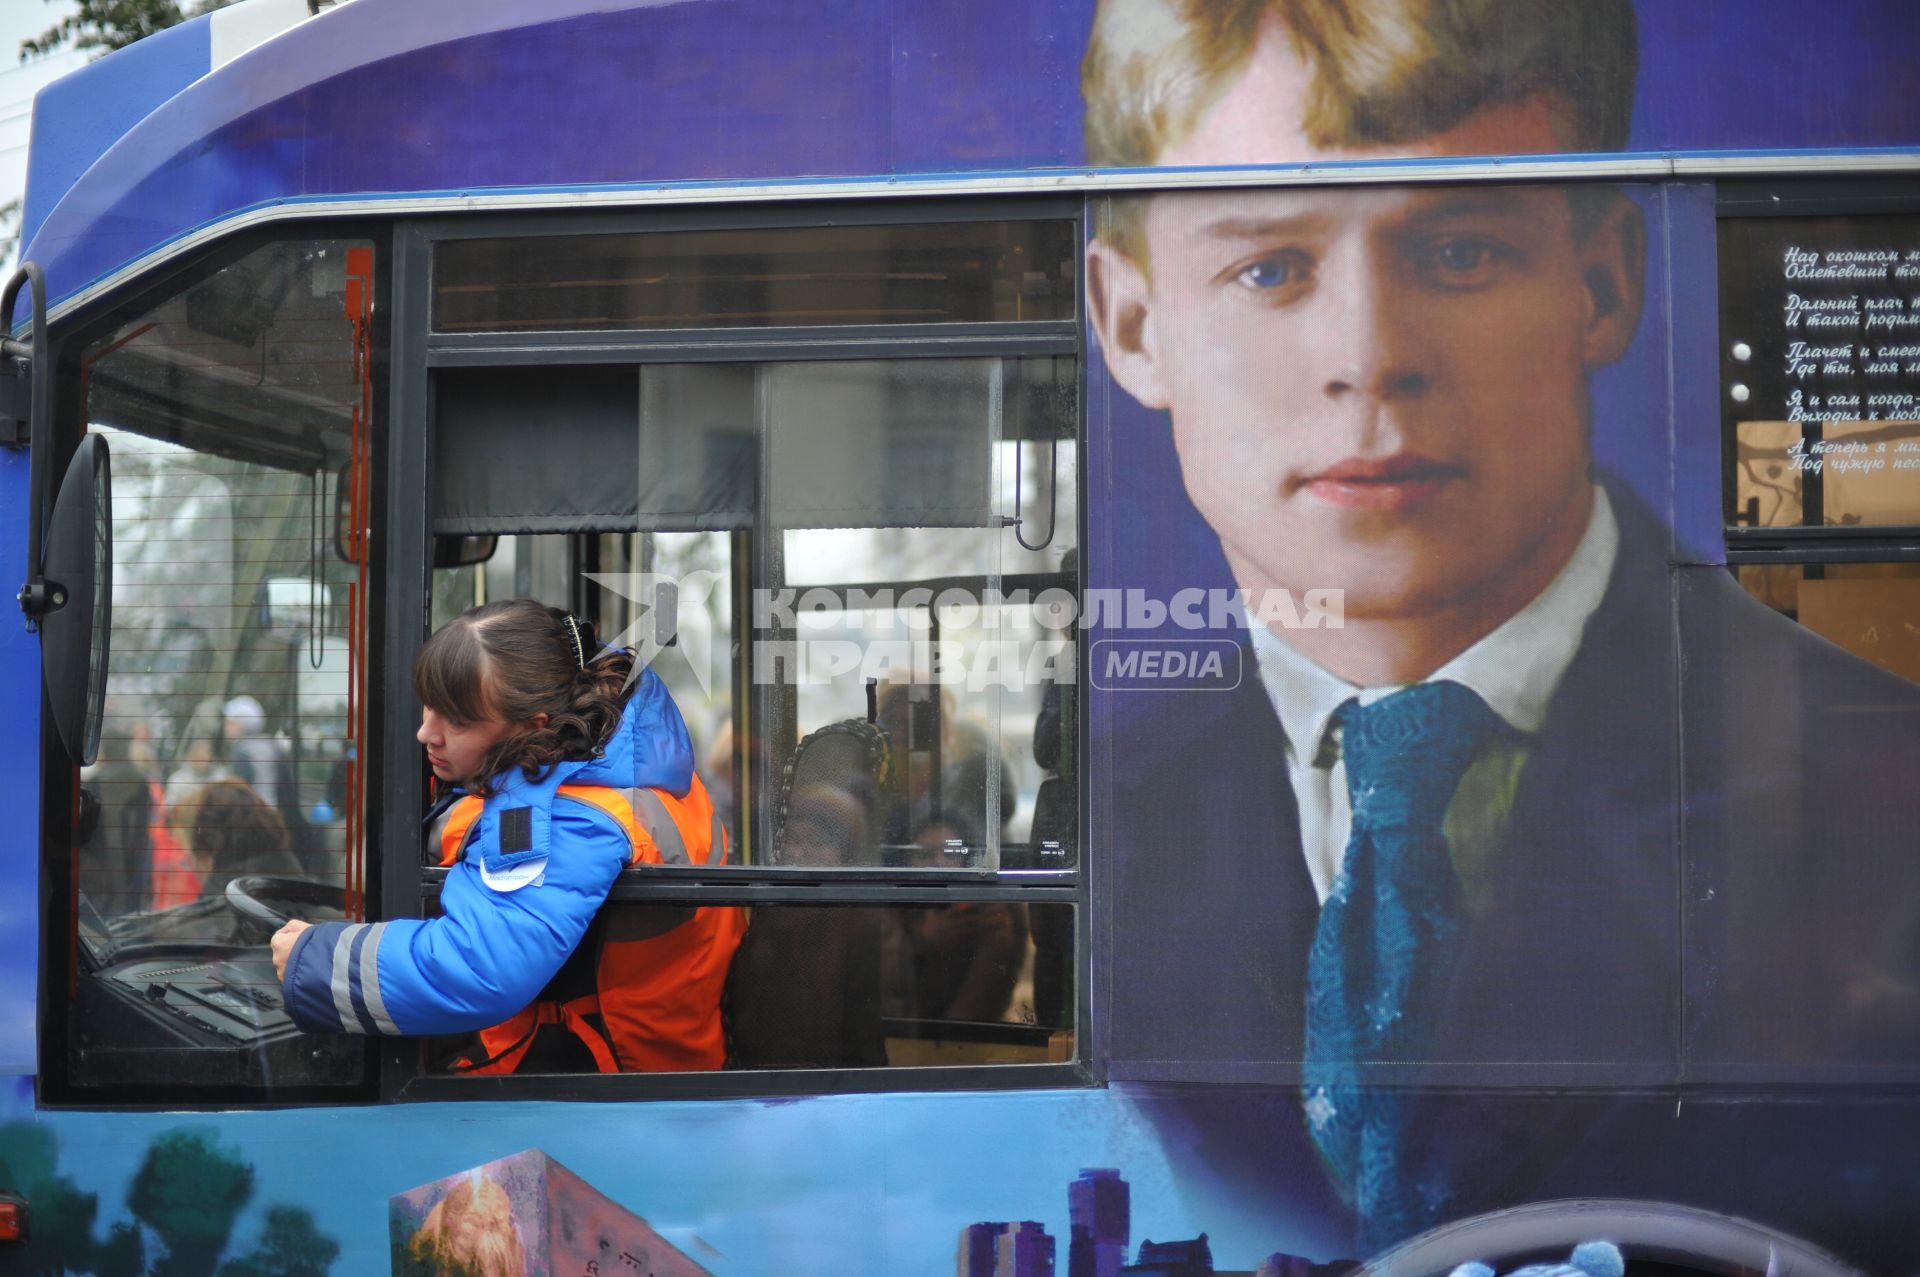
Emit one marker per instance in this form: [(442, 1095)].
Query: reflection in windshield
[(238, 413)]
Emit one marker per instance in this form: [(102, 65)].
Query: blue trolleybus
[(1302, 618)]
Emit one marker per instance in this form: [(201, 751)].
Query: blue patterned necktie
[(1382, 954)]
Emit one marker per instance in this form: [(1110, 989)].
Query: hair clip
[(573, 639), (590, 645)]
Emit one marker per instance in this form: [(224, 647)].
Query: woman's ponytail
[(596, 698)]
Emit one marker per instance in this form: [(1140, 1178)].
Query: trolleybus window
[(929, 272), (229, 783), (854, 565), (1820, 400), (856, 571), (1821, 354)]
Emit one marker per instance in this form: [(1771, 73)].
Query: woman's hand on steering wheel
[(282, 945)]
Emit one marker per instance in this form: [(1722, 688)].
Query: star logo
[(670, 611)]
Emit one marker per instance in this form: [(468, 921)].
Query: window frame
[(1803, 546), (1809, 545), (69, 339), (408, 887)]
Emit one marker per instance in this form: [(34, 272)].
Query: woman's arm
[(487, 956)]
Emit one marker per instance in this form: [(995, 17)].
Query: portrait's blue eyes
[(1264, 275), (1450, 262), (1270, 273)]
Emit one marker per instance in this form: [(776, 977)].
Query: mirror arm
[(27, 361)]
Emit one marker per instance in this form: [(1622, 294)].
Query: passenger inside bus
[(958, 961), (235, 832), (805, 988), (228, 832)]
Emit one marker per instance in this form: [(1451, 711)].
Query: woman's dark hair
[(231, 825), (511, 660)]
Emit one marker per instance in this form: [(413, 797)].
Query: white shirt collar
[(1515, 669)]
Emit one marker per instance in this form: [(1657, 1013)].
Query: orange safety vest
[(655, 1004)]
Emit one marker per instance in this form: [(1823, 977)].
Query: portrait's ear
[(1120, 302), (1613, 263)]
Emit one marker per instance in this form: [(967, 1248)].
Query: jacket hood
[(649, 750)]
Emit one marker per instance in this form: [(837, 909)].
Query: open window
[(825, 481)]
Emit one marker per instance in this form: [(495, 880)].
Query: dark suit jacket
[(1710, 877)]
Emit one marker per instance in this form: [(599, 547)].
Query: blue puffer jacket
[(536, 869)]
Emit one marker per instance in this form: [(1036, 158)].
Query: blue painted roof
[(384, 98), (77, 117), (388, 97)]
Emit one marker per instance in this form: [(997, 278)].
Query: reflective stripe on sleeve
[(370, 981), (355, 981), (342, 978)]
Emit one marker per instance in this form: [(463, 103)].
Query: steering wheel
[(244, 897)]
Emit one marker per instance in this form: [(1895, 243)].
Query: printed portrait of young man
[(1522, 821)]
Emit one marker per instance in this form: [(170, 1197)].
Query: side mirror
[(463, 551), (68, 594), (79, 592)]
